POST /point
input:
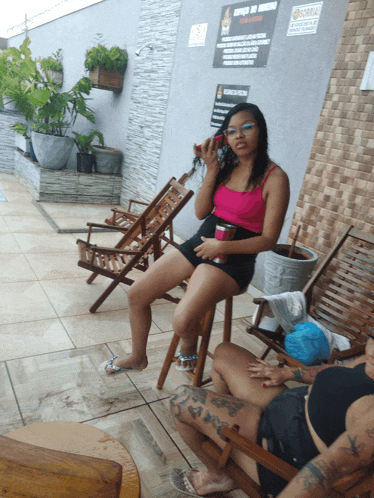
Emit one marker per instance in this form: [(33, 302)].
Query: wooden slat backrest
[(342, 295)]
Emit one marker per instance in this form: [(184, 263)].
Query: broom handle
[(292, 248)]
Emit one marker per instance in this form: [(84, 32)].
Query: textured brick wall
[(338, 186), (7, 144), (158, 25)]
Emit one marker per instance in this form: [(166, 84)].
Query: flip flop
[(182, 483), (118, 370), (182, 358)]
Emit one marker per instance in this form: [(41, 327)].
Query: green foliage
[(37, 97), (19, 128), (113, 59), (83, 142), (52, 62)]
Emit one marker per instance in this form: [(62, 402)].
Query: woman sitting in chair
[(326, 429), (244, 187)]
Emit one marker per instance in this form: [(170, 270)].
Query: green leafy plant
[(83, 142), (20, 128), (113, 59)]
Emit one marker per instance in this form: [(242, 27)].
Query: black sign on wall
[(227, 96), (245, 34)]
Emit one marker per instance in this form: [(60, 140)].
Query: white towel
[(289, 309)]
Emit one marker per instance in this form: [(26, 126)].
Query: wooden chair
[(340, 295), (359, 484), (142, 239), (204, 329), (65, 459), (125, 219)]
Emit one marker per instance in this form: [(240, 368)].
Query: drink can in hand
[(224, 231)]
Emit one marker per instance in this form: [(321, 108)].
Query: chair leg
[(203, 350), (228, 320), (91, 278), (168, 361), (105, 294)]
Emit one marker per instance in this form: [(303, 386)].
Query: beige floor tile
[(19, 208), (17, 194), (31, 338), (152, 450), (242, 306), (100, 328), (67, 386), (53, 265), (162, 315), (42, 242), (15, 268), (62, 209), (3, 225), (146, 380), (74, 296), (28, 224), (24, 302), (8, 244), (10, 417)]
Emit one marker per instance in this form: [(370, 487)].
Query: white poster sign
[(304, 19), (197, 35)]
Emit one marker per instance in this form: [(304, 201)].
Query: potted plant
[(108, 159), (51, 67), (51, 145), (106, 66), (22, 139), (85, 158)]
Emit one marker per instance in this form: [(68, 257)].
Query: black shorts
[(240, 267), (284, 426)]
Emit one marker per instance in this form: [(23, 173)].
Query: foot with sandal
[(200, 483)]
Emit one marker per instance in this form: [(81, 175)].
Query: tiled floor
[(51, 346)]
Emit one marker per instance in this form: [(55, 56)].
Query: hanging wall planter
[(106, 66)]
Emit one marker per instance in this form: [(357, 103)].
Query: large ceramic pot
[(287, 274), (52, 152), (108, 160)]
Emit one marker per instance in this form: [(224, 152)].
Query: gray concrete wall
[(290, 92)]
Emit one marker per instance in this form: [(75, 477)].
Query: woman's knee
[(225, 352), (137, 295)]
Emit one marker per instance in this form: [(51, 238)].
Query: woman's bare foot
[(204, 483), (187, 350), (130, 362)]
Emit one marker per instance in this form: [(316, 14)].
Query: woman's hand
[(208, 153), (262, 370), (209, 249)]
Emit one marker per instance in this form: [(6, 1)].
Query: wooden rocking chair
[(125, 219), (358, 485), (144, 238), (340, 295)]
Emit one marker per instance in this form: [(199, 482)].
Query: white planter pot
[(284, 274), (23, 143), (108, 160), (52, 152)]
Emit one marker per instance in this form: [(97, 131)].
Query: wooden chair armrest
[(136, 202), (116, 251), (107, 227), (259, 300), (257, 453), (289, 361)]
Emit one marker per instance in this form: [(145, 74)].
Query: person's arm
[(277, 198), (276, 376), (353, 450), (204, 198)]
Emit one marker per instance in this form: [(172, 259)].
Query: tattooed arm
[(277, 376), (353, 450)]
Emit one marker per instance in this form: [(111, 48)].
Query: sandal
[(109, 363), (182, 483), (186, 368)]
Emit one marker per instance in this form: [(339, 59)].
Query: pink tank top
[(245, 209)]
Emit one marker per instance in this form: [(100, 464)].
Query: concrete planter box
[(52, 152), (23, 143)]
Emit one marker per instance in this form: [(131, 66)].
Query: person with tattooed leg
[(325, 428)]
